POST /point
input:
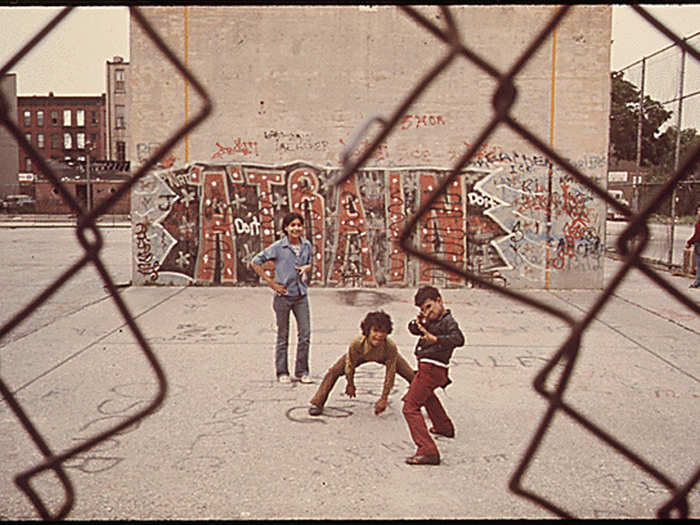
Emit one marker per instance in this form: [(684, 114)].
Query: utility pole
[(637, 179), (88, 148)]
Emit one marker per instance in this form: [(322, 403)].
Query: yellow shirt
[(360, 352)]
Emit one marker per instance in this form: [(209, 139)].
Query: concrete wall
[(291, 85), (49, 200), (9, 167)]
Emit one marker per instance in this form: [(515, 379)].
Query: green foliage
[(666, 150), (624, 111), (658, 149)]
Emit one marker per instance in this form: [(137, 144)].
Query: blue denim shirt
[(285, 262)]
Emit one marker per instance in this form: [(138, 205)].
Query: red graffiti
[(216, 241), (306, 200), (397, 257), (441, 230), (421, 121), (352, 259), (239, 146)]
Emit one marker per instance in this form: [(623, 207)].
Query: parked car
[(18, 203), (613, 214)]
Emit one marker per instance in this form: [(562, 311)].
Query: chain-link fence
[(670, 77), (630, 244)]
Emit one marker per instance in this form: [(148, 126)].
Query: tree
[(624, 108), (666, 152)]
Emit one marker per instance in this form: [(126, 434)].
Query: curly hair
[(379, 320)]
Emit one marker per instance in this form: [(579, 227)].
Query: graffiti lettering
[(286, 141), (421, 121), (146, 265), (239, 146), (512, 219), (248, 228)]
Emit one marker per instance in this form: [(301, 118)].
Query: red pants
[(420, 394)]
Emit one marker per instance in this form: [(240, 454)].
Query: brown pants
[(403, 369)]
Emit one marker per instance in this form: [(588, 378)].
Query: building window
[(54, 118), (119, 114), (54, 141), (27, 117), (27, 164), (121, 150), (66, 117), (119, 81), (67, 141), (40, 140), (80, 140), (28, 136), (80, 117), (40, 117), (93, 117)]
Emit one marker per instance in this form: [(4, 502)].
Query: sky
[(71, 59)]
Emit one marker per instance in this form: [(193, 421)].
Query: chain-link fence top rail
[(660, 75), (91, 240), (630, 244)]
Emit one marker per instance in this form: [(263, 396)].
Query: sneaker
[(315, 410), (284, 378), (428, 459), (306, 379), (449, 434)]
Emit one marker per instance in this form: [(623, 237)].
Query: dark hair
[(289, 218), (424, 293), (380, 320)]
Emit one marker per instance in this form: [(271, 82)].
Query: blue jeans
[(282, 305), (696, 260)]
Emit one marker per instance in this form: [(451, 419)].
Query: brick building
[(62, 128), (115, 126)]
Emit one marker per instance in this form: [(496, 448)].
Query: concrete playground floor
[(230, 442)]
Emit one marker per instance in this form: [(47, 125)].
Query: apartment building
[(116, 128), (62, 128)]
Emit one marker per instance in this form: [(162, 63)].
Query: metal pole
[(87, 175), (677, 155), (638, 177)]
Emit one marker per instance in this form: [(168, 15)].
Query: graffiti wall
[(291, 88), (202, 223)]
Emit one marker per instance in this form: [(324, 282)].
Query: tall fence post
[(676, 156), (640, 116)]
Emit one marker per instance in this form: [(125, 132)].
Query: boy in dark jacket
[(439, 336)]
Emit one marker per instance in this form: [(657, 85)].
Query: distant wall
[(49, 200), (9, 163), (291, 85)]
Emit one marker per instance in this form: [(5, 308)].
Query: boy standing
[(695, 241), (372, 345), (439, 336)]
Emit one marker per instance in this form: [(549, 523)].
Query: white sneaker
[(284, 378), (306, 379)]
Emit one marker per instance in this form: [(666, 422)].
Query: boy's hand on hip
[(380, 406)]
